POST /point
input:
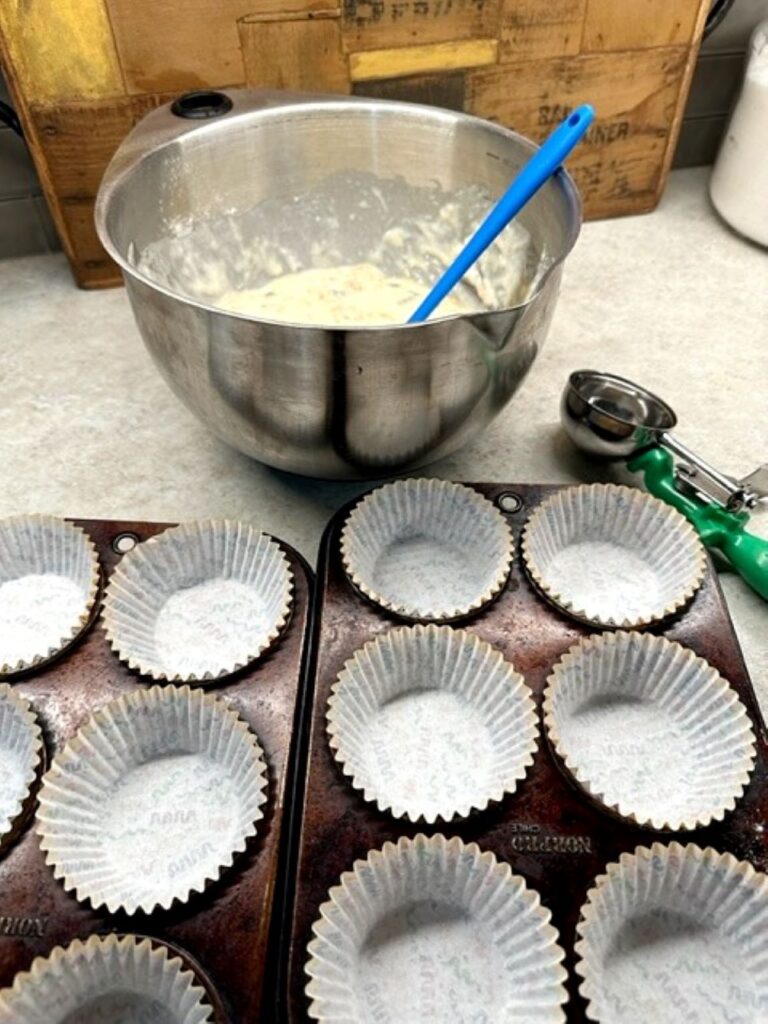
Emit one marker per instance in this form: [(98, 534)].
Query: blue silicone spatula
[(541, 166)]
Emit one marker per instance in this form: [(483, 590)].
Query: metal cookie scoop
[(610, 417)]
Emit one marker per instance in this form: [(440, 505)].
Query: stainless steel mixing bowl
[(343, 403)]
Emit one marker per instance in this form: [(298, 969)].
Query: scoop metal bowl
[(327, 402), (610, 417)]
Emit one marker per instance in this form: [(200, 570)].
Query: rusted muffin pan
[(224, 931), (549, 829)]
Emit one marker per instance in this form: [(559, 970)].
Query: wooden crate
[(83, 72)]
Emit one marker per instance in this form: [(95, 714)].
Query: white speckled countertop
[(672, 299)]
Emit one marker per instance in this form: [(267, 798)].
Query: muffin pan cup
[(23, 757), (198, 602), (405, 547), (107, 977), (650, 731), (49, 582), (171, 773), (431, 723), (548, 831), (225, 931), (442, 887), (690, 920), (613, 556)]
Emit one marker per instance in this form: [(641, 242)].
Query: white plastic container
[(739, 183)]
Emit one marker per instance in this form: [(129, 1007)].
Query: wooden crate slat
[(640, 24), (618, 165), (443, 90), (295, 50), (531, 29), (385, 24), (414, 60), (90, 264), (81, 137), (60, 49), (168, 46)]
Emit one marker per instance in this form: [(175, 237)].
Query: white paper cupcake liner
[(673, 934), (152, 799), (49, 579), (429, 927), (430, 722), (613, 556), (21, 751), (427, 549), (199, 601), (649, 730), (106, 980)]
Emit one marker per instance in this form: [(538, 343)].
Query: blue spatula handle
[(541, 166)]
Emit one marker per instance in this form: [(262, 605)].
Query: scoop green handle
[(717, 526), (748, 555)]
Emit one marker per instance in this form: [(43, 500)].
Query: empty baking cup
[(49, 578), (427, 549), (430, 722), (649, 730), (434, 930), (106, 980), (673, 934), (198, 601), (21, 749), (613, 556), (152, 799)]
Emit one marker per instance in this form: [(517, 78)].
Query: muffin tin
[(549, 831), (223, 932)]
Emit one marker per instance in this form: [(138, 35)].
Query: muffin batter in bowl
[(352, 251), (360, 294)]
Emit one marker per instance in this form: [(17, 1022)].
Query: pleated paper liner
[(429, 926), (199, 601), (427, 550), (49, 579), (431, 723), (152, 799), (649, 730), (672, 934), (106, 980), (613, 556), (21, 758)]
